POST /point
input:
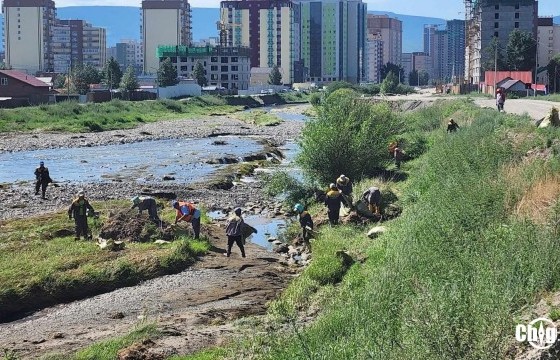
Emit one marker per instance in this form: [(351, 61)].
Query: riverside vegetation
[(476, 244)]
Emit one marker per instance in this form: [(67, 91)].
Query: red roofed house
[(17, 85), (489, 81)]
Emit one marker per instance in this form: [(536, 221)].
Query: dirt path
[(536, 109), (195, 308)]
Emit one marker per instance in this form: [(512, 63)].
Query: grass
[(73, 117), (35, 262), (551, 97), (259, 117), (451, 275)]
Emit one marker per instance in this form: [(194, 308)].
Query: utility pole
[(495, 63), (536, 66)]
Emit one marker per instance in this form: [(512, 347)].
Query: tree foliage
[(349, 136), (492, 54), (390, 84), (129, 81), (82, 77), (167, 73), (59, 81), (199, 75), (394, 68), (553, 69), (336, 85), (275, 77), (112, 73), (521, 51)]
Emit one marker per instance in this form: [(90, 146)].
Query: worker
[(42, 178), (234, 232), (146, 203), (305, 222), (452, 126), (333, 201), (187, 212), (398, 155), (344, 185), (500, 99), (372, 197), (79, 210)]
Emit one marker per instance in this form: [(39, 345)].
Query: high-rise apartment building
[(129, 53), (548, 45), (455, 49), (164, 23), (490, 19), (270, 28), (27, 31), (439, 72), (88, 43), (333, 36), (374, 58), (390, 32)]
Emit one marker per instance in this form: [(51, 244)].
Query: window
[(495, 34), (3, 81), (496, 25), (224, 68), (517, 25), (497, 7), (234, 77), (234, 59), (214, 68), (214, 59), (235, 68), (496, 15), (224, 60), (224, 77), (516, 6), (213, 76), (517, 15)]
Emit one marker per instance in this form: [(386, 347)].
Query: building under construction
[(488, 19)]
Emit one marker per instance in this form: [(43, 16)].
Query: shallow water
[(184, 159)]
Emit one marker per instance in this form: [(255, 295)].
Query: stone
[(281, 249), (376, 231)]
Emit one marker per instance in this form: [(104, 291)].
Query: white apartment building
[(374, 59), (27, 30), (548, 40), (164, 23)]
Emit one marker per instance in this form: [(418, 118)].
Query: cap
[(135, 200), (298, 208), (332, 186), (237, 211), (81, 193)]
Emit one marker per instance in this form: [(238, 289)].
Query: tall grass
[(449, 278)]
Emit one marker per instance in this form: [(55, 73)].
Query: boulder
[(283, 248), (376, 231), (551, 119)]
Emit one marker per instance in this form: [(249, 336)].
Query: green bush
[(315, 99), (349, 136), (290, 189)]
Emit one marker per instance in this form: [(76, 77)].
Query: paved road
[(536, 109)]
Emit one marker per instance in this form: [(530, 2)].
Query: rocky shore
[(18, 200)]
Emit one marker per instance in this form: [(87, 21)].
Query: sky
[(447, 9)]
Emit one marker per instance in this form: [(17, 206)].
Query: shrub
[(315, 99), (171, 105), (349, 136)]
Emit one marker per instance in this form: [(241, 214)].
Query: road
[(536, 109)]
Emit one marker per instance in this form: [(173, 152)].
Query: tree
[(275, 77), (336, 85), (199, 74), (59, 81), (82, 77), (395, 69), (424, 77), (129, 81), (553, 69), (349, 136), (492, 54), (521, 51), (112, 73), (167, 73), (413, 78), (390, 84)]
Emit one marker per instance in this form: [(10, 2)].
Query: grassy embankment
[(259, 117), (38, 268), (476, 243), (117, 114)]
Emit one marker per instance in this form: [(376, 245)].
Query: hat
[(174, 203), (298, 208), (237, 211), (81, 193), (332, 186), (136, 200), (42, 163), (342, 179)]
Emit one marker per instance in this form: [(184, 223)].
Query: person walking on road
[(185, 211), (79, 210), (500, 99), (42, 178), (372, 197), (333, 201), (234, 232), (146, 203), (305, 222)]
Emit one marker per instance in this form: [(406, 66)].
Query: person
[(79, 210), (398, 155), (500, 99), (305, 222), (333, 201), (187, 212), (42, 179), (234, 232), (452, 126), (344, 185), (146, 203), (372, 197)]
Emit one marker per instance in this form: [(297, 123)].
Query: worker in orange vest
[(187, 212)]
